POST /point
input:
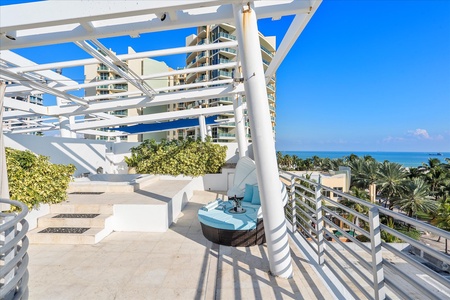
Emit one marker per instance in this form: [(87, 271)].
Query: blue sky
[(363, 76)]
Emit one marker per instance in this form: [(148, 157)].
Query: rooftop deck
[(177, 264)]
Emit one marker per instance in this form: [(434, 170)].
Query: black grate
[(76, 216), (86, 193), (78, 230)]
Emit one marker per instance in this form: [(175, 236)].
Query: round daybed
[(222, 225)]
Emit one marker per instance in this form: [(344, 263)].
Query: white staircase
[(73, 224)]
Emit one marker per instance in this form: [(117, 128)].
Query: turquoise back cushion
[(248, 194), (255, 197)]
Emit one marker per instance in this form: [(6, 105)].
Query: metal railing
[(373, 269), (13, 253)]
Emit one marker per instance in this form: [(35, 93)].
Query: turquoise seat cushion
[(221, 218), (255, 197), (248, 193)]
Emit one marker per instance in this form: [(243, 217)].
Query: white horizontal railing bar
[(304, 203), (417, 264), (308, 234), (363, 263), (346, 235), (347, 209), (307, 198), (348, 275), (415, 283), (413, 242), (347, 222), (343, 283), (301, 178), (304, 188), (355, 241), (396, 289)]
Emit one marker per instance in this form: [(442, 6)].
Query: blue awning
[(169, 125)]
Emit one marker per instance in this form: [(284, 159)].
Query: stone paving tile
[(177, 264)]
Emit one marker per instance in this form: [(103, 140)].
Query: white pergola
[(85, 22)]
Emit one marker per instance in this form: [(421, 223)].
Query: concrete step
[(91, 236), (51, 220), (67, 208)]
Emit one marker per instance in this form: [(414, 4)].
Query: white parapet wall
[(35, 213), (89, 155), (155, 218)]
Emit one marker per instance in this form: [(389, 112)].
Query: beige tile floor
[(177, 264)]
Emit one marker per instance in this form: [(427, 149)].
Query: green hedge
[(177, 157), (34, 180)]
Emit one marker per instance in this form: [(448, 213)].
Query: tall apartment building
[(215, 34), (141, 67)]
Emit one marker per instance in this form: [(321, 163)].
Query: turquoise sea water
[(407, 159)]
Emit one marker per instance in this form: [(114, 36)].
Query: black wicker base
[(236, 238)]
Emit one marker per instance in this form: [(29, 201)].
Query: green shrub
[(177, 157), (34, 180)]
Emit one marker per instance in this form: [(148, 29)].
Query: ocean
[(407, 159)]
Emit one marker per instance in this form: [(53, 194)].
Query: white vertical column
[(263, 143), (240, 125), (4, 188), (202, 123), (64, 123)]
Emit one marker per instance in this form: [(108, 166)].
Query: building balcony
[(228, 52), (266, 51), (221, 74), (225, 37)]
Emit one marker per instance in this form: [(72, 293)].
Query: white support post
[(64, 122), (293, 204), (319, 225), (240, 125), (377, 255), (202, 123), (279, 255), (4, 188)]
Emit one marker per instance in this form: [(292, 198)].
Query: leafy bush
[(34, 180), (177, 157)]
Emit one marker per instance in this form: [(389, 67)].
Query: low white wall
[(143, 218), (86, 156), (34, 214), (155, 218)]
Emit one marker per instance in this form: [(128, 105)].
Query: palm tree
[(416, 198), (361, 194), (443, 217), (391, 179)]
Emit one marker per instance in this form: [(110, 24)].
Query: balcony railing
[(264, 49), (13, 252), (374, 269)]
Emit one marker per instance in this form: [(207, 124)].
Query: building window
[(337, 188)]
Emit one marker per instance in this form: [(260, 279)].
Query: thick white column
[(240, 126), (64, 123), (4, 188), (263, 143), (202, 122)]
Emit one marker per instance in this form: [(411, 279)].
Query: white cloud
[(393, 139), (420, 133)]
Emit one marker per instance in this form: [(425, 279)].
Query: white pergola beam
[(161, 99), (153, 118), (130, 56), (66, 18), (295, 29)]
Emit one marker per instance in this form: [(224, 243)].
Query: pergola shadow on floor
[(177, 264)]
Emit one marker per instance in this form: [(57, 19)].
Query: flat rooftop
[(177, 264)]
